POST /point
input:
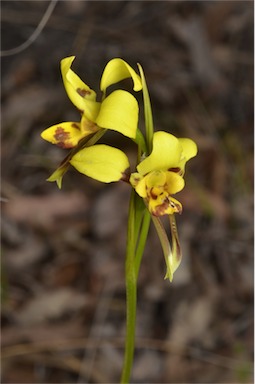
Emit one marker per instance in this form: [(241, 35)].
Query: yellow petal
[(91, 109), (87, 126), (65, 135), (117, 70), (119, 112), (101, 162), (77, 91), (138, 182), (189, 148), (166, 154), (164, 205), (156, 179), (175, 183)]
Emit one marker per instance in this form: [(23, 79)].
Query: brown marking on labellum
[(83, 92), (177, 207), (161, 209), (74, 125), (153, 195)]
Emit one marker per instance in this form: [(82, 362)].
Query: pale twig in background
[(32, 38)]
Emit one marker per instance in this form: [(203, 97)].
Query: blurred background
[(63, 251)]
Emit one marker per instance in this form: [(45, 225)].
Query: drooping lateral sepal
[(65, 135), (101, 162)]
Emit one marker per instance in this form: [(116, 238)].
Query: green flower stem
[(142, 240), (138, 227), (139, 213), (131, 299)]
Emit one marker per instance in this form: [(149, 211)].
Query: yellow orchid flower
[(118, 111), (160, 175)]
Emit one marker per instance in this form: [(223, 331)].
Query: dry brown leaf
[(51, 305), (45, 210)]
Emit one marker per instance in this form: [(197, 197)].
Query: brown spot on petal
[(176, 170), (125, 176), (89, 126), (65, 145), (74, 125), (61, 134), (83, 92), (61, 137)]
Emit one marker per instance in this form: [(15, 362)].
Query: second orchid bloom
[(159, 176)]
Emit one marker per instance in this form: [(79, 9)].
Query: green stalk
[(130, 275), (138, 227), (142, 240)]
